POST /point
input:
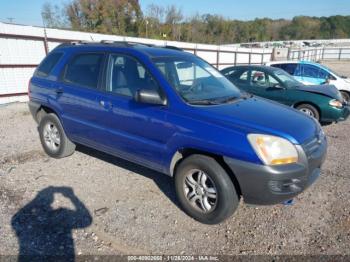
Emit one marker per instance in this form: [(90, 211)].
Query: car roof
[(149, 50), (256, 67), (282, 62), (299, 62)]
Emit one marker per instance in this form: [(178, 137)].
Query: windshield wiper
[(230, 99), (227, 100), (203, 102)]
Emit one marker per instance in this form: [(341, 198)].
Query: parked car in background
[(323, 103), (173, 112), (310, 73)]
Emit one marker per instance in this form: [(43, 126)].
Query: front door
[(311, 75), (265, 85), (135, 131)]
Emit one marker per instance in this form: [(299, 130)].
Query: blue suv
[(172, 112)]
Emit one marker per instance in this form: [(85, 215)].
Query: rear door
[(78, 97)]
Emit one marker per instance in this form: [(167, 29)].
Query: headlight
[(336, 103), (273, 150)]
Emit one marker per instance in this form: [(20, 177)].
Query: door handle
[(59, 90), (105, 104)]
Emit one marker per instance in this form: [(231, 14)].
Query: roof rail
[(173, 47), (119, 43)]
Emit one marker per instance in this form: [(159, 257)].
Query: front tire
[(346, 96), (309, 110), (53, 138), (204, 190)]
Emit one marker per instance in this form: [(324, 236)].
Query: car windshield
[(287, 79), (196, 81)]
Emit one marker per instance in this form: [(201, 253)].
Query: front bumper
[(267, 185)]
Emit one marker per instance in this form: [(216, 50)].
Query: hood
[(327, 90), (258, 115)]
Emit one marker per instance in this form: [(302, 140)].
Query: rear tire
[(309, 110), (346, 96), (204, 190), (53, 138)]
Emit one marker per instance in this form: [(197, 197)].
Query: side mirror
[(149, 97)]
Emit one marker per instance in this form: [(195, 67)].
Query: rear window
[(48, 64), (84, 70)]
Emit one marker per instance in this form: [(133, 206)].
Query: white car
[(310, 73)]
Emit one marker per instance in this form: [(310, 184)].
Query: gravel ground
[(341, 67), (92, 203)]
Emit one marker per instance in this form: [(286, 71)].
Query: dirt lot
[(91, 203), (341, 67)]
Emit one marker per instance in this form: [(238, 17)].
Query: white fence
[(320, 53), (23, 47)]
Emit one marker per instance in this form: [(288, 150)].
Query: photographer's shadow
[(44, 233)]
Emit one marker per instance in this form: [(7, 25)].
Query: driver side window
[(258, 79), (126, 75), (272, 81)]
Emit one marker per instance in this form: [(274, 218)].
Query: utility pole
[(146, 22), (45, 34)]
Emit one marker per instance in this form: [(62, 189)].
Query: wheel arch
[(309, 103), (345, 91), (183, 153), (44, 110)]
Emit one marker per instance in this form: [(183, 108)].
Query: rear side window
[(310, 71), (237, 75), (84, 70), (289, 68), (48, 64)]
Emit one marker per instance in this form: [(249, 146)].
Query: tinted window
[(323, 74), (126, 76), (48, 64), (310, 71), (84, 70), (237, 76), (289, 68)]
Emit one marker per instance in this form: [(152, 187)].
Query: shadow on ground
[(164, 182), (44, 233)]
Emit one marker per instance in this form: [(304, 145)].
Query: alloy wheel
[(200, 191), (52, 136)]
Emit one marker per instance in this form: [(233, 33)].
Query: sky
[(29, 11)]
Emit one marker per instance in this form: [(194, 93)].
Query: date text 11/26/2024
[(173, 258)]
